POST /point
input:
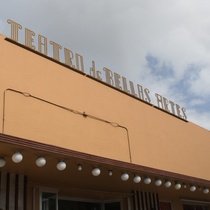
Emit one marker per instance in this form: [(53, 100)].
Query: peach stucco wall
[(53, 114)]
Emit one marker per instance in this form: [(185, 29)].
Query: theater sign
[(76, 62)]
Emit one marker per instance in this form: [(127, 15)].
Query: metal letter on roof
[(14, 29)]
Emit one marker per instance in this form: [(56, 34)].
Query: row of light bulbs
[(17, 157), (159, 182)]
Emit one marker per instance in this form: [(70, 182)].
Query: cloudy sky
[(163, 45)]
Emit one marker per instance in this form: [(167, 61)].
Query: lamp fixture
[(2, 162), (79, 167), (110, 173), (137, 179), (177, 186), (167, 184), (96, 172), (158, 182), (17, 157), (40, 161), (61, 165), (205, 191), (147, 180), (193, 188), (124, 176)]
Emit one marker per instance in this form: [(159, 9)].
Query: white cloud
[(199, 119), (195, 102), (200, 85)]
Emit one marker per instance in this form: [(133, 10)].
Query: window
[(78, 205), (194, 207), (112, 206), (49, 201)]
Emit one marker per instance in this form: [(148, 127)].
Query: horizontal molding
[(25, 143)]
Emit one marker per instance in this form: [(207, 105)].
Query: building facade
[(68, 140)]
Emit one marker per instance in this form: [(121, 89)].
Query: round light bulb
[(177, 186), (2, 162), (110, 173), (158, 182), (206, 191), (40, 161), (125, 177), (61, 165), (167, 184), (147, 180), (96, 172), (192, 188), (79, 168), (17, 157), (136, 179)]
